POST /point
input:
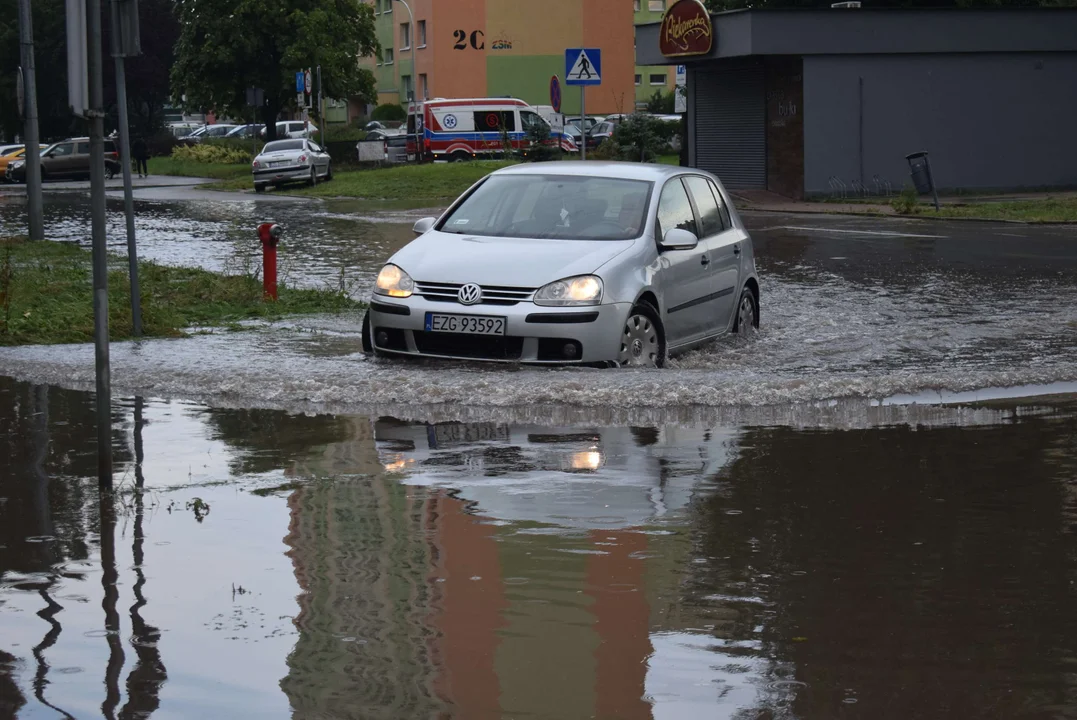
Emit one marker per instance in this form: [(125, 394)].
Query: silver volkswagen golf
[(615, 264)]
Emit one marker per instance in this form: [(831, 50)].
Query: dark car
[(68, 159), (599, 134)]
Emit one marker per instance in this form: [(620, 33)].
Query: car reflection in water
[(579, 478)]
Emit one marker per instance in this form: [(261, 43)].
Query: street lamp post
[(414, 74)]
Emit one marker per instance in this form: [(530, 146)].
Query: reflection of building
[(493, 48), (474, 592), (651, 78)]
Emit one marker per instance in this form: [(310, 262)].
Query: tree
[(720, 5), (662, 103), (227, 46), (148, 82)]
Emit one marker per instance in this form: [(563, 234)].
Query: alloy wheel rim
[(746, 319), (639, 343)]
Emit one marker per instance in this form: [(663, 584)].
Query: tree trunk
[(270, 112)]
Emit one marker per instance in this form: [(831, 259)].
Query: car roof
[(621, 170)]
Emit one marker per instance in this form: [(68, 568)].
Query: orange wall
[(462, 72), (424, 58), (610, 25)]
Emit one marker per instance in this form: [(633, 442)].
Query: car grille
[(491, 294), (466, 345)]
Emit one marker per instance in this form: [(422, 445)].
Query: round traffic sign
[(555, 93), (308, 82)]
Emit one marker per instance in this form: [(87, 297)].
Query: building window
[(656, 5), (405, 82), (424, 86), (405, 36), (636, 5), (639, 79), (658, 79), (387, 56), (422, 33), (388, 6)]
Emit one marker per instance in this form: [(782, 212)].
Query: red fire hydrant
[(269, 234)]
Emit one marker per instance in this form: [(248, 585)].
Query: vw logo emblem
[(469, 294)]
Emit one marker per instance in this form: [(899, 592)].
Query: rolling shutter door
[(730, 124)]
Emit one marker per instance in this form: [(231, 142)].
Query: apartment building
[(651, 78), (491, 48)]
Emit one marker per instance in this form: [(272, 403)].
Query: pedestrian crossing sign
[(583, 66)]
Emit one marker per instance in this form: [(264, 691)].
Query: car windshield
[(283, 145), (562, 207)]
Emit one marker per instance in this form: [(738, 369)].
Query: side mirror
[(421, 226), (677, 239)]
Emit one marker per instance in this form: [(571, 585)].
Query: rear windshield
[(558, 207), (281, 145)]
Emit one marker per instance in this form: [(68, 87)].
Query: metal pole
[(583, 120), (30, 135), (128, 196), (100, 254), (321, 108), (412, 109)]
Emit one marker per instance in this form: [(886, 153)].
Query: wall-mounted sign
[(686, 30)]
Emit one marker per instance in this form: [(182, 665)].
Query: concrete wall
[(988, 120)]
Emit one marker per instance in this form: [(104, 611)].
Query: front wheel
[(747, 314), (329, 172), (313, 177), (109, 172), (368, 342), (643, 339)]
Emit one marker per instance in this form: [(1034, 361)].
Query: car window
[(62, 149), (295, 127), (314, 147), (83, 148), (282, 145), (557, 207), (674, 210), (709, 215), (721, 205), (530, 120), (495, 120)]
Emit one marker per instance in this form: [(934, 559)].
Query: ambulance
[(460, 130)]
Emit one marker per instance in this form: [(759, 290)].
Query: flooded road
[(852, 308), (256, 563)]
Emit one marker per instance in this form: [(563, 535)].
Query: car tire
[(329, 172), (368, 341), (460, 156), (747, 314), (643, 339), (109, 172), (259, 187), (313, 176)]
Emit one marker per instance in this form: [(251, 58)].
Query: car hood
[(512, 262)]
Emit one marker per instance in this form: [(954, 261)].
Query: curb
[(921, 218)]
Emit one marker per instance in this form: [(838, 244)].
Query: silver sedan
[(289, 161), (617, 264)]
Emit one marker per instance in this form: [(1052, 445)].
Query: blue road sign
[(300, 82), (583, 66)]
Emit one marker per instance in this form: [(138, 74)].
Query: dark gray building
[(796, 100)]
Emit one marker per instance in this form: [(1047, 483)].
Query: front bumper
[(533, 333), (282, 174)]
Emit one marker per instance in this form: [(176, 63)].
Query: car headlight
[(17, 164), (394, 282), (579, 290)]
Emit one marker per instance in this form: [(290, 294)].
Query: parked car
[(586, 123), (395, 144), (209, 131), (183, 129), (288, 161), (244, 131), (66, 160), (568, 263), (575, 134), (599, 134), (10, 153), (293, 129)]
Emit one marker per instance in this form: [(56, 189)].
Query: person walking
[(141, 154)]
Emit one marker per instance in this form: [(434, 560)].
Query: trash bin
[(920, 172)]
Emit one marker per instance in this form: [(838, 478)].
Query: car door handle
[(705, 261), (736, 249)]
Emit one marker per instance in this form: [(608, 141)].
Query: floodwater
[(256, 563)]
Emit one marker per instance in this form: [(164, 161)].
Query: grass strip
[(46, 296)]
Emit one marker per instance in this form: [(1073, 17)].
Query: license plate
[(468, 324), (279, 163), (442, 435)]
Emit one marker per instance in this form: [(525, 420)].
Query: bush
[(340, 133), (161, 143), (662, 103), (208, 153), (539, 148), (389, 111), (247, 145), (639, 138), (907, 202)]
